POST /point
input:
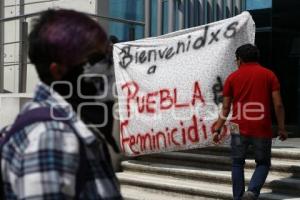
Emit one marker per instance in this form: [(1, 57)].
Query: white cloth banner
[(170, 87)]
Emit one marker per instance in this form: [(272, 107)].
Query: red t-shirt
[(250, 88)]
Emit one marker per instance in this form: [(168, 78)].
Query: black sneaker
[(249, 196)]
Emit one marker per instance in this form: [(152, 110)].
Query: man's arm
[(280, 114), (222, 118), (224, 113)]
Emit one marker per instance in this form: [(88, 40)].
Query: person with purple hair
[(61, 157)]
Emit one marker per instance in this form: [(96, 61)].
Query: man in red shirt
[(251, 90)]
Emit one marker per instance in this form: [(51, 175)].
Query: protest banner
[(170, 87)]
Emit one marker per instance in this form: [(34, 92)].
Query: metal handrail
[(30, 3), (119, 20), (9, 43), (24, 28)]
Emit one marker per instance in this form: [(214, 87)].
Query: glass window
[(258, 4), (153, 17), (154, 8), (209, 11), (126, 9)]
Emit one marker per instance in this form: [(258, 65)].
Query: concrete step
[(287, 153), (130, 192), (219, 162), (280, 184), (196, 188)]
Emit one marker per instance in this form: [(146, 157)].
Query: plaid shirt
[(41, 161)]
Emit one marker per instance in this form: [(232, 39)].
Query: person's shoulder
[(232, 75), (266, 71), (44, 135), (262, 68), (43, 126)]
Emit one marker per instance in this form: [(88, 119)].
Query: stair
[(205, 174)]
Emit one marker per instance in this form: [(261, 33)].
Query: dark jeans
[(262, 152)]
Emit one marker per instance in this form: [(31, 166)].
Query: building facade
[(17, 75), (277, 33), (277, 36)]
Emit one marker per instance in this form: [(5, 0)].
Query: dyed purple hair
[(62, 36)]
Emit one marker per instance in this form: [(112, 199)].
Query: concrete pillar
[(147, 17), (205, 11), (191, 13), (10, 105), (180, 14), (209, 11), (171, 16), (229, 8), (23, 50), (237, 7), (201, 12), (102, 8), (224, 3), (243, 5), (1, 47), (219, 9), (159, 17), (214, 8)]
